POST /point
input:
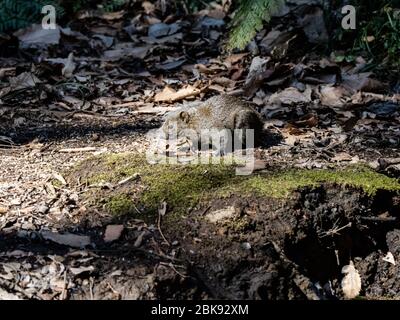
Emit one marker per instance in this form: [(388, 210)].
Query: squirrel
[(217, 114)]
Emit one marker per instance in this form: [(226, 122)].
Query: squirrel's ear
[(184, 116)]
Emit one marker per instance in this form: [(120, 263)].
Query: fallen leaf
[(363, 81), (170, 95), (256, 75), (309, 120), (389, 258), (126, 50), (159, 30), (275, 38), (334, 96), (37, 37), (23, 81), (290, 96)]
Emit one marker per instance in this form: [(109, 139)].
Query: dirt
[(286, 250), (264, 248)]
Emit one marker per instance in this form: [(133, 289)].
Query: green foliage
[(16, 14), (380, 35), (249, 19), (376, 37)]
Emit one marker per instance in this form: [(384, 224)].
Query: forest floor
[(62, 118)]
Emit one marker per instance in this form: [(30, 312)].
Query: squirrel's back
[(223, 111)]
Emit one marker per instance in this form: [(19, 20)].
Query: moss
[(281, 184), (120, 204), (184, 186), (238, 224), (56, 183)]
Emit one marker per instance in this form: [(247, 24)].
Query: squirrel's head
[(175, 123)]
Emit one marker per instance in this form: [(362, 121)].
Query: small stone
[(113, 232), (246, 246)]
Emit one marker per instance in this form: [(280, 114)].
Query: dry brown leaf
[(216, 87), (170, 95), (125, 50), (23, 81), (148, 7), (334, 96), (309, 120), (234, 58), (223, 81), (363, 82), (290, 96)]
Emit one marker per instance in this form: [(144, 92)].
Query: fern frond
[(249, 19)]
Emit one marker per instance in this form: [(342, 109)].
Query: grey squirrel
[(217, 114)]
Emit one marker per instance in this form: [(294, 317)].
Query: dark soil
[(268, 249)]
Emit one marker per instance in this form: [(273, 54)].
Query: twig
[(76, 150), (91, 288), (335, 230), (173, 268), (64, 290), (380, 219)]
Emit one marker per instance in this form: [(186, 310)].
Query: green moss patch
[(282, 183), (120, 203), (184, 186)]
